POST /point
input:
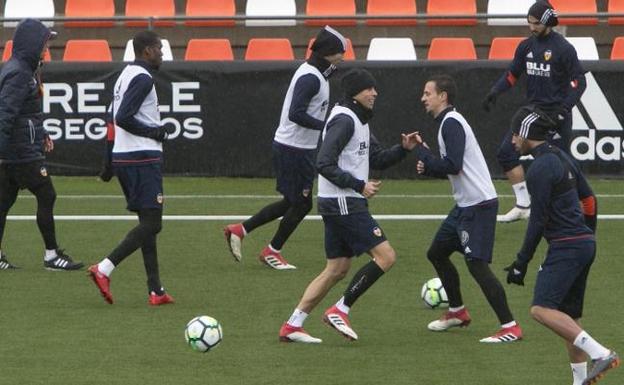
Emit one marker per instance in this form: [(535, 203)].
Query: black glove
[(162, 133), (489, 101), (516, 272), (106, 173)]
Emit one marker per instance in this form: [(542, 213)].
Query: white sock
[(106, 267), (590, 346), (509, 324), (523, 199), (456, 309), (342, 307), (273, 249), (579, 372), (297, 318), (49, 255)]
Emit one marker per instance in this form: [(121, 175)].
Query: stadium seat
[(506, 7), (585, 47), (208, 49), (391, 7), (197, 8), (503, 48), (446, 7), (391, 48), (330, 8), (615, 6), (575, 6), (617, 51), (147, 8), (21, 9), (269, 49), (166, 50), (8, 51), (87, 50), (452, 48), (89, 8), (349, 54), (271, 8)]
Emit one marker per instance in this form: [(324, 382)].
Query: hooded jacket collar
[(364, 114)]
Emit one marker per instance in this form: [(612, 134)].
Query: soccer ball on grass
[(433, 294), (203, 333)]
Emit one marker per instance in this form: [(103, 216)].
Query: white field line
[(259, 196), (243, 217)]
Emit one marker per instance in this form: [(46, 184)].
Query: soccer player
[(564, 213), (24, 141), (294, 148), (137, 159), (470, 226), (347, 151), (555, 83)]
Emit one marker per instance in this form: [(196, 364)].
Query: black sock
[(150, 222), (266, 215), (492, 289), (150, 261), (439, 254), (362, 280), (45, 214), (8, 199), (290, 221)]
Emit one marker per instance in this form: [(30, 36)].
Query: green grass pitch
[(56, 329)]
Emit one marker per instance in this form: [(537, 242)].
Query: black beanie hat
[(544, 12), (329, 42), (357, 80)]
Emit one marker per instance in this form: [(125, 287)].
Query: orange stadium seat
[(146, 8), (8, 51), (503, 48), (452, 48), (87, 50), (446, 7), (349, 54), (208, 49), (269, 49), (210, 8), (391, 7), (89, 8), (616, 6), (575, 6), (617, 51), (330, 8)]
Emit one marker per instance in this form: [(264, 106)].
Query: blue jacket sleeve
[(451, 164), (514, 71), (542, 176), (138, 89), (381, 158), (577, 75), (339, 131), (12, 95), (306, 87)]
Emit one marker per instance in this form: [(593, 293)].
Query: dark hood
[(28, 41)]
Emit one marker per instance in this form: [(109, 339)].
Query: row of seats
[(267, 8), (502, 48)]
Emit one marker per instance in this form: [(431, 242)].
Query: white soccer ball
[(433, 294), (203, 333)]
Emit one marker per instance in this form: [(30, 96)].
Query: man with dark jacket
[(23, 140)]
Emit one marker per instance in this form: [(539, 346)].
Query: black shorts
[(16, 176), (351, 235), (142, 186), (562, 278), (294, 171), (472, 229)]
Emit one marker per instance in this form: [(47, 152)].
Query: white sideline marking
[(243, 196), (434, 217)]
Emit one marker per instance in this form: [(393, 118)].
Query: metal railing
[(602, 17)]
